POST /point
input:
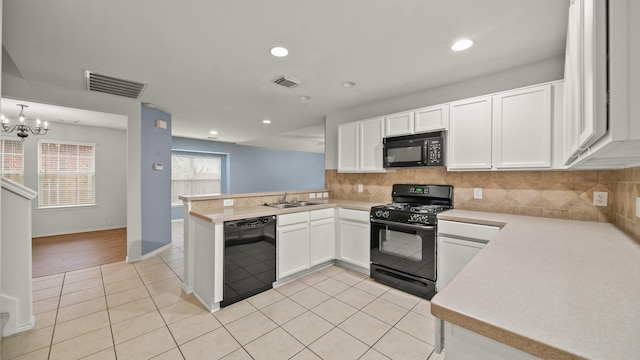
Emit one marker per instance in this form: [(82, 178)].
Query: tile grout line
[(55, 320), (113, 339), (158, 309)]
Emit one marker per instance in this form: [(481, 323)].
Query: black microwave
[(414, 150)]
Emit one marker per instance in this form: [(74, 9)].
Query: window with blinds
[(67, 175), (12, 160), (194, 175)]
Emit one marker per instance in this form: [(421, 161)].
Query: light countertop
[(243, 212), (558, 289)]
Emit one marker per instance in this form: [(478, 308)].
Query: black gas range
[(403, 237)]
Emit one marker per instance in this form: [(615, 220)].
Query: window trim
[(23, 170), (95, 181), (197, 154)]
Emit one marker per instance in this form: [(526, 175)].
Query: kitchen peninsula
[(557, 289), (204, 235)]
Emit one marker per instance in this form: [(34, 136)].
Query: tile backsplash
[(626, 191), (554, 194)]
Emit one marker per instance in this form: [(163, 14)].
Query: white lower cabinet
[(293, 243), (305, 239), (462, 344), (458, 243), (322, 236), (354, 243)]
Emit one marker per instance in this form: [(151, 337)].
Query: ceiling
[(208, 63)]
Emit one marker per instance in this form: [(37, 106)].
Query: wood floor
[(61, 253)]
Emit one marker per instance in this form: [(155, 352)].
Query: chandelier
[(22, 128)]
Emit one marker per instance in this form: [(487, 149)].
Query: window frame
[(95, 178), (2, 173), (196, 154)]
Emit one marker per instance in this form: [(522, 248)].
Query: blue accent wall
[(156, 184), (257, 169)]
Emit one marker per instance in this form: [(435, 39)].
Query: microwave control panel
[(435, 152)]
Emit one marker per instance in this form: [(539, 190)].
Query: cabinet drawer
[(467, 230), (321, 214), (295, 218), (355, 215)]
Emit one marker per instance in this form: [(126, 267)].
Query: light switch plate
[(600, 198), (227, 202), (312, 196), (325, 194), (360, 188), (318, 195), (477, 193), (161, 124), (638, 207)]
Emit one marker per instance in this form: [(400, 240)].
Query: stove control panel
[(420, 218)]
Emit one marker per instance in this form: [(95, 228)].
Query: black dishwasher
[(249, 258)]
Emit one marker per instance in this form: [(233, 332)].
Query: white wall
[(111, 182), (548, 70)]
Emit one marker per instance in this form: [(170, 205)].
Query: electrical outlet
[(325, 194), (318, 195), (360, 188), (477, 193), (227, 202), (638, 207), (110, 222), (312, 196), (600, 198)]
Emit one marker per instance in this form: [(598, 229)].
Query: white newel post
[(16, 282)]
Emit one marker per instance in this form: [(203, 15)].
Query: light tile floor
[(138, 311)]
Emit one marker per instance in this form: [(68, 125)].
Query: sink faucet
[(284, 198)]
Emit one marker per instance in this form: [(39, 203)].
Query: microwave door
[(404, 154)]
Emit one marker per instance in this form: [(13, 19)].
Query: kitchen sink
[(291, 205), (305, 203), (281, 206)]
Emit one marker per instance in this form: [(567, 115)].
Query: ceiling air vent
[(112, 85), (287, 81)]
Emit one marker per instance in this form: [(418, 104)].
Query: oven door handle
[(403, 225)]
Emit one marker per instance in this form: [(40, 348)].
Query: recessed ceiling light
[(266, 121), (348, 84), (213, 132), (304, 97), (461, 45), (279, 51)]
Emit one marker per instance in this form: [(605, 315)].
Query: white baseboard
[(187, 289), (148, 255), (27, 326)]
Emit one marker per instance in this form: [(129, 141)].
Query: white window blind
[(12, 160), (194, 175), (66, 174)]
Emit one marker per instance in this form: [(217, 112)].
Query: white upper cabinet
[(432, 118), (509, 130), (360, 146), (348, 147), (470, 134), (593, 41), (522, 128), (371, 134), (585, 76), (399, 124)]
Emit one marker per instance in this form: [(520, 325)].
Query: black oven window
[(405, 245)]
